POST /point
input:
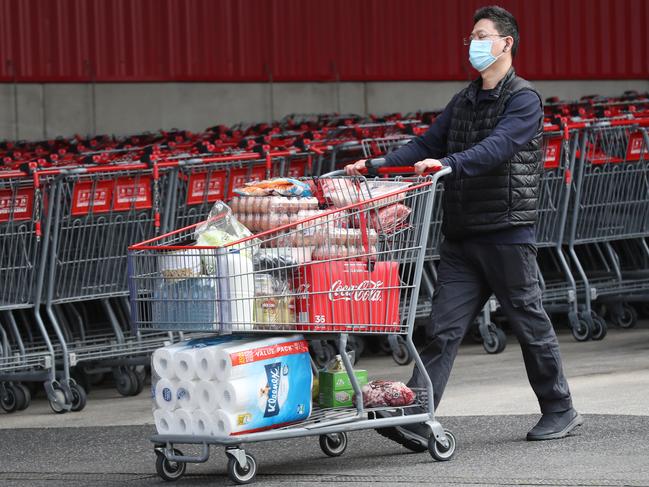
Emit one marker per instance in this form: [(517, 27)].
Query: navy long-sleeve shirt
[(517, 126)]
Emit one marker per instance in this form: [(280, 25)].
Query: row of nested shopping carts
[(69, 208)]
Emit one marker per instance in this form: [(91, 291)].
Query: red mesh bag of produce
[(385, 393)]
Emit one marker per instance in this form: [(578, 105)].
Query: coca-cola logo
[(367, 290)]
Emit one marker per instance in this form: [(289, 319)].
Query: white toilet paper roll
[(206, 363), (202, 423), (163, 362), (225, 371), (184, 363), (225, 424), (166, 394), (186, 395), (165, 422), (234, 396), (207, 395), (183, 422)]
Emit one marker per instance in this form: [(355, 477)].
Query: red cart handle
[(377, 167)]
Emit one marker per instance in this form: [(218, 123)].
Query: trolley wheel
[(496, 341), (600, 328), (79, 397), (328, 354), (333, 444), (141, 373), (400, 353), (242, 475), (628, 318), (440, 452), (138, 385), (58, 405), (581, 330), (28, 396), (167, 470), (12, 398), (125, 381)]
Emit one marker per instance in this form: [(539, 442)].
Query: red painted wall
[(309, 40)]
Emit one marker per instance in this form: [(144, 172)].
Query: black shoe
[(553, 426), (414, 436)]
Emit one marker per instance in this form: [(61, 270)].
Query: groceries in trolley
[(335, 386), (307, 265), (223, 386), (386, 393)]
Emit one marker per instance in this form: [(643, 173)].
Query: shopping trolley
[(26, 359), (387, 268), (94, 213), (610, 206)]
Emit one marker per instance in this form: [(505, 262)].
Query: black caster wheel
[(242, 475), (141, 372), (79, 397), (81, 377), (496, 341), (600, 328), (328, 354), (140, 377), (27, 395), (167, 470), (58, 404), (125, 381), (12, 399), (440, 452), (400, 353), (334, 444), (628, 318), (581, 330)]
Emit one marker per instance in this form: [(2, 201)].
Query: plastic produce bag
[(385, 393), (222, 228)]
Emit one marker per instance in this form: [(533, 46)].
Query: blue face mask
[(480, 55)]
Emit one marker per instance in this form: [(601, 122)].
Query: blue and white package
[(273, 388)]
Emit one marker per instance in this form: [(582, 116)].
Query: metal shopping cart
[(370, 288), (610, 214), (23, 358), (94, 213)]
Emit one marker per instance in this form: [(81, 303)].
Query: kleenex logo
[(273, 374)]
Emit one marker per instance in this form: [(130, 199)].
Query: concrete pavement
[(488, 405)]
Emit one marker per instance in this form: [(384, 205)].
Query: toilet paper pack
[(267, 383), (273, 388)]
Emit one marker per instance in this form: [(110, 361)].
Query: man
[(490, 136)]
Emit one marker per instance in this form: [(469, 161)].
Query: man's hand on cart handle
[(356, 169), (362, 167), (427, 165), (365, 167)]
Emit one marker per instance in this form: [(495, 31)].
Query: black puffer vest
[(505, 197)]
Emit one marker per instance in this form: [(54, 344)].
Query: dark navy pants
[(469, 272)]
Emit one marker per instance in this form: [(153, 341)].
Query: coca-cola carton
[(348, 296)]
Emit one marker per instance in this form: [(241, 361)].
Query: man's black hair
[(504, 21)]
